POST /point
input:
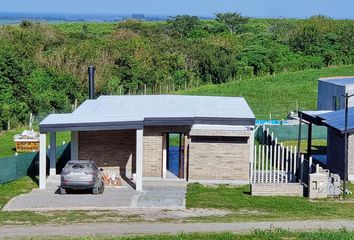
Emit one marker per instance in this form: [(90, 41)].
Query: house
[(215, 137), (331, 92), (334, 121)]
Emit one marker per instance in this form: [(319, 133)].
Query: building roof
[(332, 119), (341, 81), (336, 120), (134, 112)]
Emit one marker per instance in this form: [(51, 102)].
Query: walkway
[(110, 229)]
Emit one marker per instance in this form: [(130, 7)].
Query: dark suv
[(80, 175)]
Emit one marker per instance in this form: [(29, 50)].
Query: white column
[(52, 154), (139, 160), (251, 142), (164, 155), (42, 161), (252, 151), (74, 145)]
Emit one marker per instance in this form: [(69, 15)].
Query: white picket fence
[(274, 163)]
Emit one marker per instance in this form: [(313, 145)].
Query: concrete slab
[(156, 194)]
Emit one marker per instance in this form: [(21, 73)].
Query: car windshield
[(79, 165)]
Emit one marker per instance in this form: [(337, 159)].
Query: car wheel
[(95, 190), (101, 190), (62, 191)]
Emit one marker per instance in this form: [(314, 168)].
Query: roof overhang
[(121, 125), (332, 119)]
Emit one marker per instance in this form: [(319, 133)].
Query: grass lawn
[(7, 144), (275, 234), (278, 94), (319, 146), (245, 207), (242, 207)]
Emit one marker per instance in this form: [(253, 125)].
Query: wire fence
[(291, 132)]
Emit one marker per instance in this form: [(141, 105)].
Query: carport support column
[(139, 159), (42, 161), (74, 145), (52, 155)]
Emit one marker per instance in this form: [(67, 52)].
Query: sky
[(252, 8)]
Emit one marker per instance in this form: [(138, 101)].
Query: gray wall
[(326, 92), (335, 153)]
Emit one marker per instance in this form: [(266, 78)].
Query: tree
[(233, 21), (183, 25)]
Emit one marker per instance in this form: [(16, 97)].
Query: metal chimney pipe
[(91, 73)]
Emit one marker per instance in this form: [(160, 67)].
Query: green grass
[(242, 207), (277, 234), (319, 146), (7, 144), (278, 94), (245, 207)]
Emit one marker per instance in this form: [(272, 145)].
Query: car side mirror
[(101, 169)]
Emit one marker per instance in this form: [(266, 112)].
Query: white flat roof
[(135, 111)]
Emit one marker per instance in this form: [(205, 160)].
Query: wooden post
[(270, 163), (266, 163), (262, 167), (309, 139), (295, 165), (275, 163), (251, 167), (287, 165), (259, 163), (302, 168), (282, 164), (278, 162), (291, 164), (144, 88)]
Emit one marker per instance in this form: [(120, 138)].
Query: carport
[(77, 122)]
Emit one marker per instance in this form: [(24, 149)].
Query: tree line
[(43, 67)]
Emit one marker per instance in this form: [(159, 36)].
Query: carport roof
[(331, 119), (134, 112)]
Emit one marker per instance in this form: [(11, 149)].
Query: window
[(336, 103), (219, 139)]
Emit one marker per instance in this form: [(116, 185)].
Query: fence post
[(275, 162), (263, 133), (271, 162), (251, 167), (310, 164), (287, 165), (302, 168), (295, 166), (282, 164), (266, 163), (278, 162), (291, 164), (259, 164), (262, 166)]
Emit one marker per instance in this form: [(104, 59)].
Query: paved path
[(110, 229)]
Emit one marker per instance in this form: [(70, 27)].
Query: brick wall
[(153, 140), (109, 148), (219, 161)]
